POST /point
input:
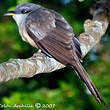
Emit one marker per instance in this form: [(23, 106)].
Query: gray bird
[(51, 33)]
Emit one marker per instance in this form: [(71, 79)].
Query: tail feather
[(85, 78)]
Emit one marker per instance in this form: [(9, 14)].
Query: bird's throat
[(19, 18)]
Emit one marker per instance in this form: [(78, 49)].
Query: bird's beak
[(10, 13)]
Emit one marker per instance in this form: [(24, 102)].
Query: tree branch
[(94, 30)]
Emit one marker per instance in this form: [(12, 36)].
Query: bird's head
[(22, 11)]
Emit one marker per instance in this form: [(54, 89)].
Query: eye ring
[(24, 11)]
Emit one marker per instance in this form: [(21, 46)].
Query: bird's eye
[(24, 11)]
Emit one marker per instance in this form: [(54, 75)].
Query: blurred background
[(62, 88)]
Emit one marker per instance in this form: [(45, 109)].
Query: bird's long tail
[(85, 78)]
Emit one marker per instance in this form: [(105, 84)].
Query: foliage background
[(62, 88)]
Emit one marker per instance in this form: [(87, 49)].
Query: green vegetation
[(59, 90)]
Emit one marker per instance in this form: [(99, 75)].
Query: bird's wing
[(53, 35)]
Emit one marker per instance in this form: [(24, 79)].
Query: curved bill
[(10, 13)]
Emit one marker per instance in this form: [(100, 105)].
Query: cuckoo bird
[(48, 31)]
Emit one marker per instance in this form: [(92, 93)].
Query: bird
[(48, 31)]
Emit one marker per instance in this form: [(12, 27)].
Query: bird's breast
[(27, 38)]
